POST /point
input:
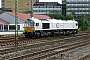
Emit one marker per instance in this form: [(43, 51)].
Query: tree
[(27, 12), (83, 23), (56, 14), (69, 17)]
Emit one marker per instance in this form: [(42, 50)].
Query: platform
[(7, 33)]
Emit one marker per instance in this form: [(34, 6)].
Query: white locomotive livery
[(49, 27)]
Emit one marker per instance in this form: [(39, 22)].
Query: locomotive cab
[(29, 26)]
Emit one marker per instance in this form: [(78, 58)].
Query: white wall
[(0, 3), (21, 26), (59, 1)]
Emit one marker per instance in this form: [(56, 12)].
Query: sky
[(59, 1)]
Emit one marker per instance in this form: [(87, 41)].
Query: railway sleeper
[(48, 55), (63, 51), (84, 57)]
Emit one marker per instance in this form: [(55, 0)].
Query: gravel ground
[(87, 59), (71, 55), (31, 50)]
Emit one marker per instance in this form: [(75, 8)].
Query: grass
[(40, 44), (89, 27), (36, 45), (18, 35)]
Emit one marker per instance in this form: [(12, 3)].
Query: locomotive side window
[(37, 24), (45, 26)]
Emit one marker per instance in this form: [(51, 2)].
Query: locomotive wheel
[(64, 32), (52, 34), (26, 35)]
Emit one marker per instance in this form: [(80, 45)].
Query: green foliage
[(56, 14), (43, 43), (83, 23), (26, 12), (69, 17), (89, 26)]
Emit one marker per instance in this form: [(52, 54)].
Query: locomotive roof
[(53, 20), (65, 21)]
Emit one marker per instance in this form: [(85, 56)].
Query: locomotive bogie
[(39, 34)]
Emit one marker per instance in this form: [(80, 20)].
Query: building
[(7, 20), (45, 7), (23, 5), (76, 7), (0, 3)]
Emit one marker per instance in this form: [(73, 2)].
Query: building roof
[(3, 21), (24, 17), (47, 4), (41, 16)]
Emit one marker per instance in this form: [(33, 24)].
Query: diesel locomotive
[(34, 28)]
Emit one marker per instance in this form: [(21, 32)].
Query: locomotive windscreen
[(45, 26), (29, 23)]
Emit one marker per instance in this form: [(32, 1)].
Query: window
[(37, 24), (12, 27), (45, 26), (27, 4), (1, 27), (31, 23), (76, 24), (5, 27)]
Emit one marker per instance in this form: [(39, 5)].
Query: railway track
[(49, 41), (10, 41), (85, 57), (37, 55), (9, 38), (53, 51), (4, 42)]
